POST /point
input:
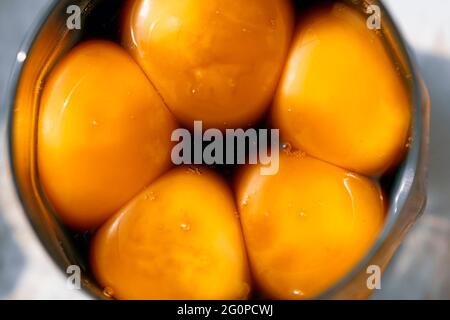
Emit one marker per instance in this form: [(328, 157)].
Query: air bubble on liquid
[(245, 200), (94, 122), (409, 142), (267, 214), (185, 227), (286, 146), (298, 292), (108, 292)]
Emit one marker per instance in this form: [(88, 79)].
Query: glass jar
[(51, 38)]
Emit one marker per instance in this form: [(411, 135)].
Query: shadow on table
[(12, 261)]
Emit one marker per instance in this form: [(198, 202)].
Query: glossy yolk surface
[(178, 239), (215, 61), (306, 226), (103, 134), (340, 98)]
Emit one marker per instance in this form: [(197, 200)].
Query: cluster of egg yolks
[(215, 61), (100, 123), (179, 239), (340, 98), (306, 226), (104, 135)]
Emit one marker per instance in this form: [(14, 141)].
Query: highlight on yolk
[(306, 226), (179, 239), (103, 134), (215, 61), (341, 98)]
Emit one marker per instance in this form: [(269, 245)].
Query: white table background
[(421, 268)]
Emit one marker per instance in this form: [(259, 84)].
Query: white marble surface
[(421, 269)]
